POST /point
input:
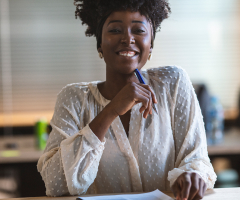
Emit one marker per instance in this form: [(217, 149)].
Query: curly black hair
[(94, 13)]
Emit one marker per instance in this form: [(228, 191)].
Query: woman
[(105, 136)]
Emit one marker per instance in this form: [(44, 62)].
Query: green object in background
[(41, 133), (10, 153)]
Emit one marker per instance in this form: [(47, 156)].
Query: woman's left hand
[(189, 186)]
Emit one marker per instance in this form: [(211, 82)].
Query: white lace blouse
[(157, 151)]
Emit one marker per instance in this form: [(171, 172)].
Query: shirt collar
[(96, 93)]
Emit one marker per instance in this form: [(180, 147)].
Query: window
[(43, 48)]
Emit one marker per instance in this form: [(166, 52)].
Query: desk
[(24, 152), (216, 194), (26, 161), (27, 151)]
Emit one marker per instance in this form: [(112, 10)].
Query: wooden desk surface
[(215, 194)]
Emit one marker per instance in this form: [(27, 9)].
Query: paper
[(155, 195)]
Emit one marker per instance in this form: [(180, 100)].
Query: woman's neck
[(114, 83)]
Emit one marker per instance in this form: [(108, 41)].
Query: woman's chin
[(126, 69)]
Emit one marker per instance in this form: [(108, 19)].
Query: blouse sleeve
[(70, 160), (189, 133)]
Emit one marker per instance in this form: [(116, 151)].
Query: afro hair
[(94, 13)]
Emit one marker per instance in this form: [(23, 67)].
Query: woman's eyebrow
[(134, 21), (139, 22), (114, 21)]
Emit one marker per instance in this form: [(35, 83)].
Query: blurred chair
[(238, 118), (203, 97)]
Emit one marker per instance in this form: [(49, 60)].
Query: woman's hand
[(130, 95), (189, 186)]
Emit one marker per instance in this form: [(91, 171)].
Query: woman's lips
[(127, 53)]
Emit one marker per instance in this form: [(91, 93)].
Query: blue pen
[(139, 76)]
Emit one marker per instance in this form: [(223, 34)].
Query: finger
[(144, 90), (147, 94), (197, 197), (149, 108), (147, 87), (176, 190), (186, 186), (201, 189), (194, 191), (140, 97), (204, 188), (145, 102)]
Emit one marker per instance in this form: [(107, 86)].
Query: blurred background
[(43, 48)]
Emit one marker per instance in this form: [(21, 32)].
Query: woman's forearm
[(100, 124)]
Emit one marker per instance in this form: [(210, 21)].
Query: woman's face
[(126, 41)]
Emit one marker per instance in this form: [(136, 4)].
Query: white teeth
[(127, 53), (131, 53), (123, 53)]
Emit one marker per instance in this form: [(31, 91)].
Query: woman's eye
[(140, 31), (115, 31)]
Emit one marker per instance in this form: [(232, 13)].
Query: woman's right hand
[(132, 94)]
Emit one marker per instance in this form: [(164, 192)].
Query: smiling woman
[(105, 137), (126, 41)]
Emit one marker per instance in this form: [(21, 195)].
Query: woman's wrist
[(110, 111)]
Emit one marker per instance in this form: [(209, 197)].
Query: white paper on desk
[(155, 195)]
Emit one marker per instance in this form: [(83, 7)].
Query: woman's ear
[(100, 49), (100, 53), (150, 51), (150, 54)]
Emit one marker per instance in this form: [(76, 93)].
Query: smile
[(127, 53)]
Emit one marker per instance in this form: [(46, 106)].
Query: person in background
[(105, 136)]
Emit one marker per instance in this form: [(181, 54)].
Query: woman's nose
[(127, 38)]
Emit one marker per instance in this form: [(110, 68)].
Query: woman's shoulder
[(166, 72), (170, 77), (76, 89)]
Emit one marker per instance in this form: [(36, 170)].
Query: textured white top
[(158, 149)]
